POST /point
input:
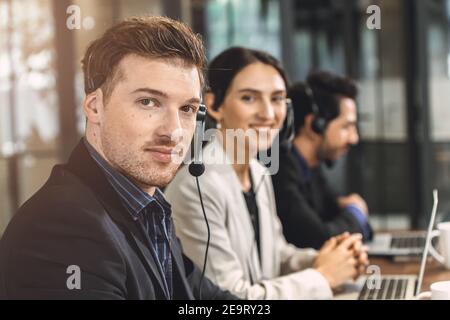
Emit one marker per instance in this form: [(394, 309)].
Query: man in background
[(325, 128)]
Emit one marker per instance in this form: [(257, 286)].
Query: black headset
[(319, 124), (287, 132), (196, 169)]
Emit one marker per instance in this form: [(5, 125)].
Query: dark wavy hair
[(328, 89)]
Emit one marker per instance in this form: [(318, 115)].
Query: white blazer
[(284, 272)]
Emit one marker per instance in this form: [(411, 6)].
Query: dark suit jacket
[(308, 212), (77, 218)]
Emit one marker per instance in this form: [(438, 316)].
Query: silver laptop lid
[(427, 242)]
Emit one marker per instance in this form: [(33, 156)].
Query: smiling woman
[(236, 101)]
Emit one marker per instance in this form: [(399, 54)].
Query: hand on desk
[(342, 258)]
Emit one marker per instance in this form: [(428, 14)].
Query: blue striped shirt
[(154, 213)]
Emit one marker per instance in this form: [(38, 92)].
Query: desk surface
[(434, 271)]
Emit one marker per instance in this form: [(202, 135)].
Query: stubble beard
[(136, 164)]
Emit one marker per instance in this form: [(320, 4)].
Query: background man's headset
[(319, 124)]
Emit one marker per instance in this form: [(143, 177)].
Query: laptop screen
[(427, 242)]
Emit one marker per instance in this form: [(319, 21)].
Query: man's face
[(341, 132), (150, 111)]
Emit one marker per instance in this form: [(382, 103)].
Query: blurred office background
[(403, 70)]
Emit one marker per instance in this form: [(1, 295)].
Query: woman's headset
[(287, 132)]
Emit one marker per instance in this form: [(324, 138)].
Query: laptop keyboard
[(408, 242), (389, 289)]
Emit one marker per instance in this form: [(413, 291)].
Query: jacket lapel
[(215, 154), (140, 242), (82, 165), (177, 256)]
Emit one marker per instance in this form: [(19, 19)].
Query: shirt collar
[(133, 197)]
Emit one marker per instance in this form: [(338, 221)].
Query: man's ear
[(93, 106), (209, 102)]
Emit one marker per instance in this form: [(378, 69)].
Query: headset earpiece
[(287, 133), (319, 123), (196, 168)]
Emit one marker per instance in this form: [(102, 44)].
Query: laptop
[(397, 244), (391, 287)]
